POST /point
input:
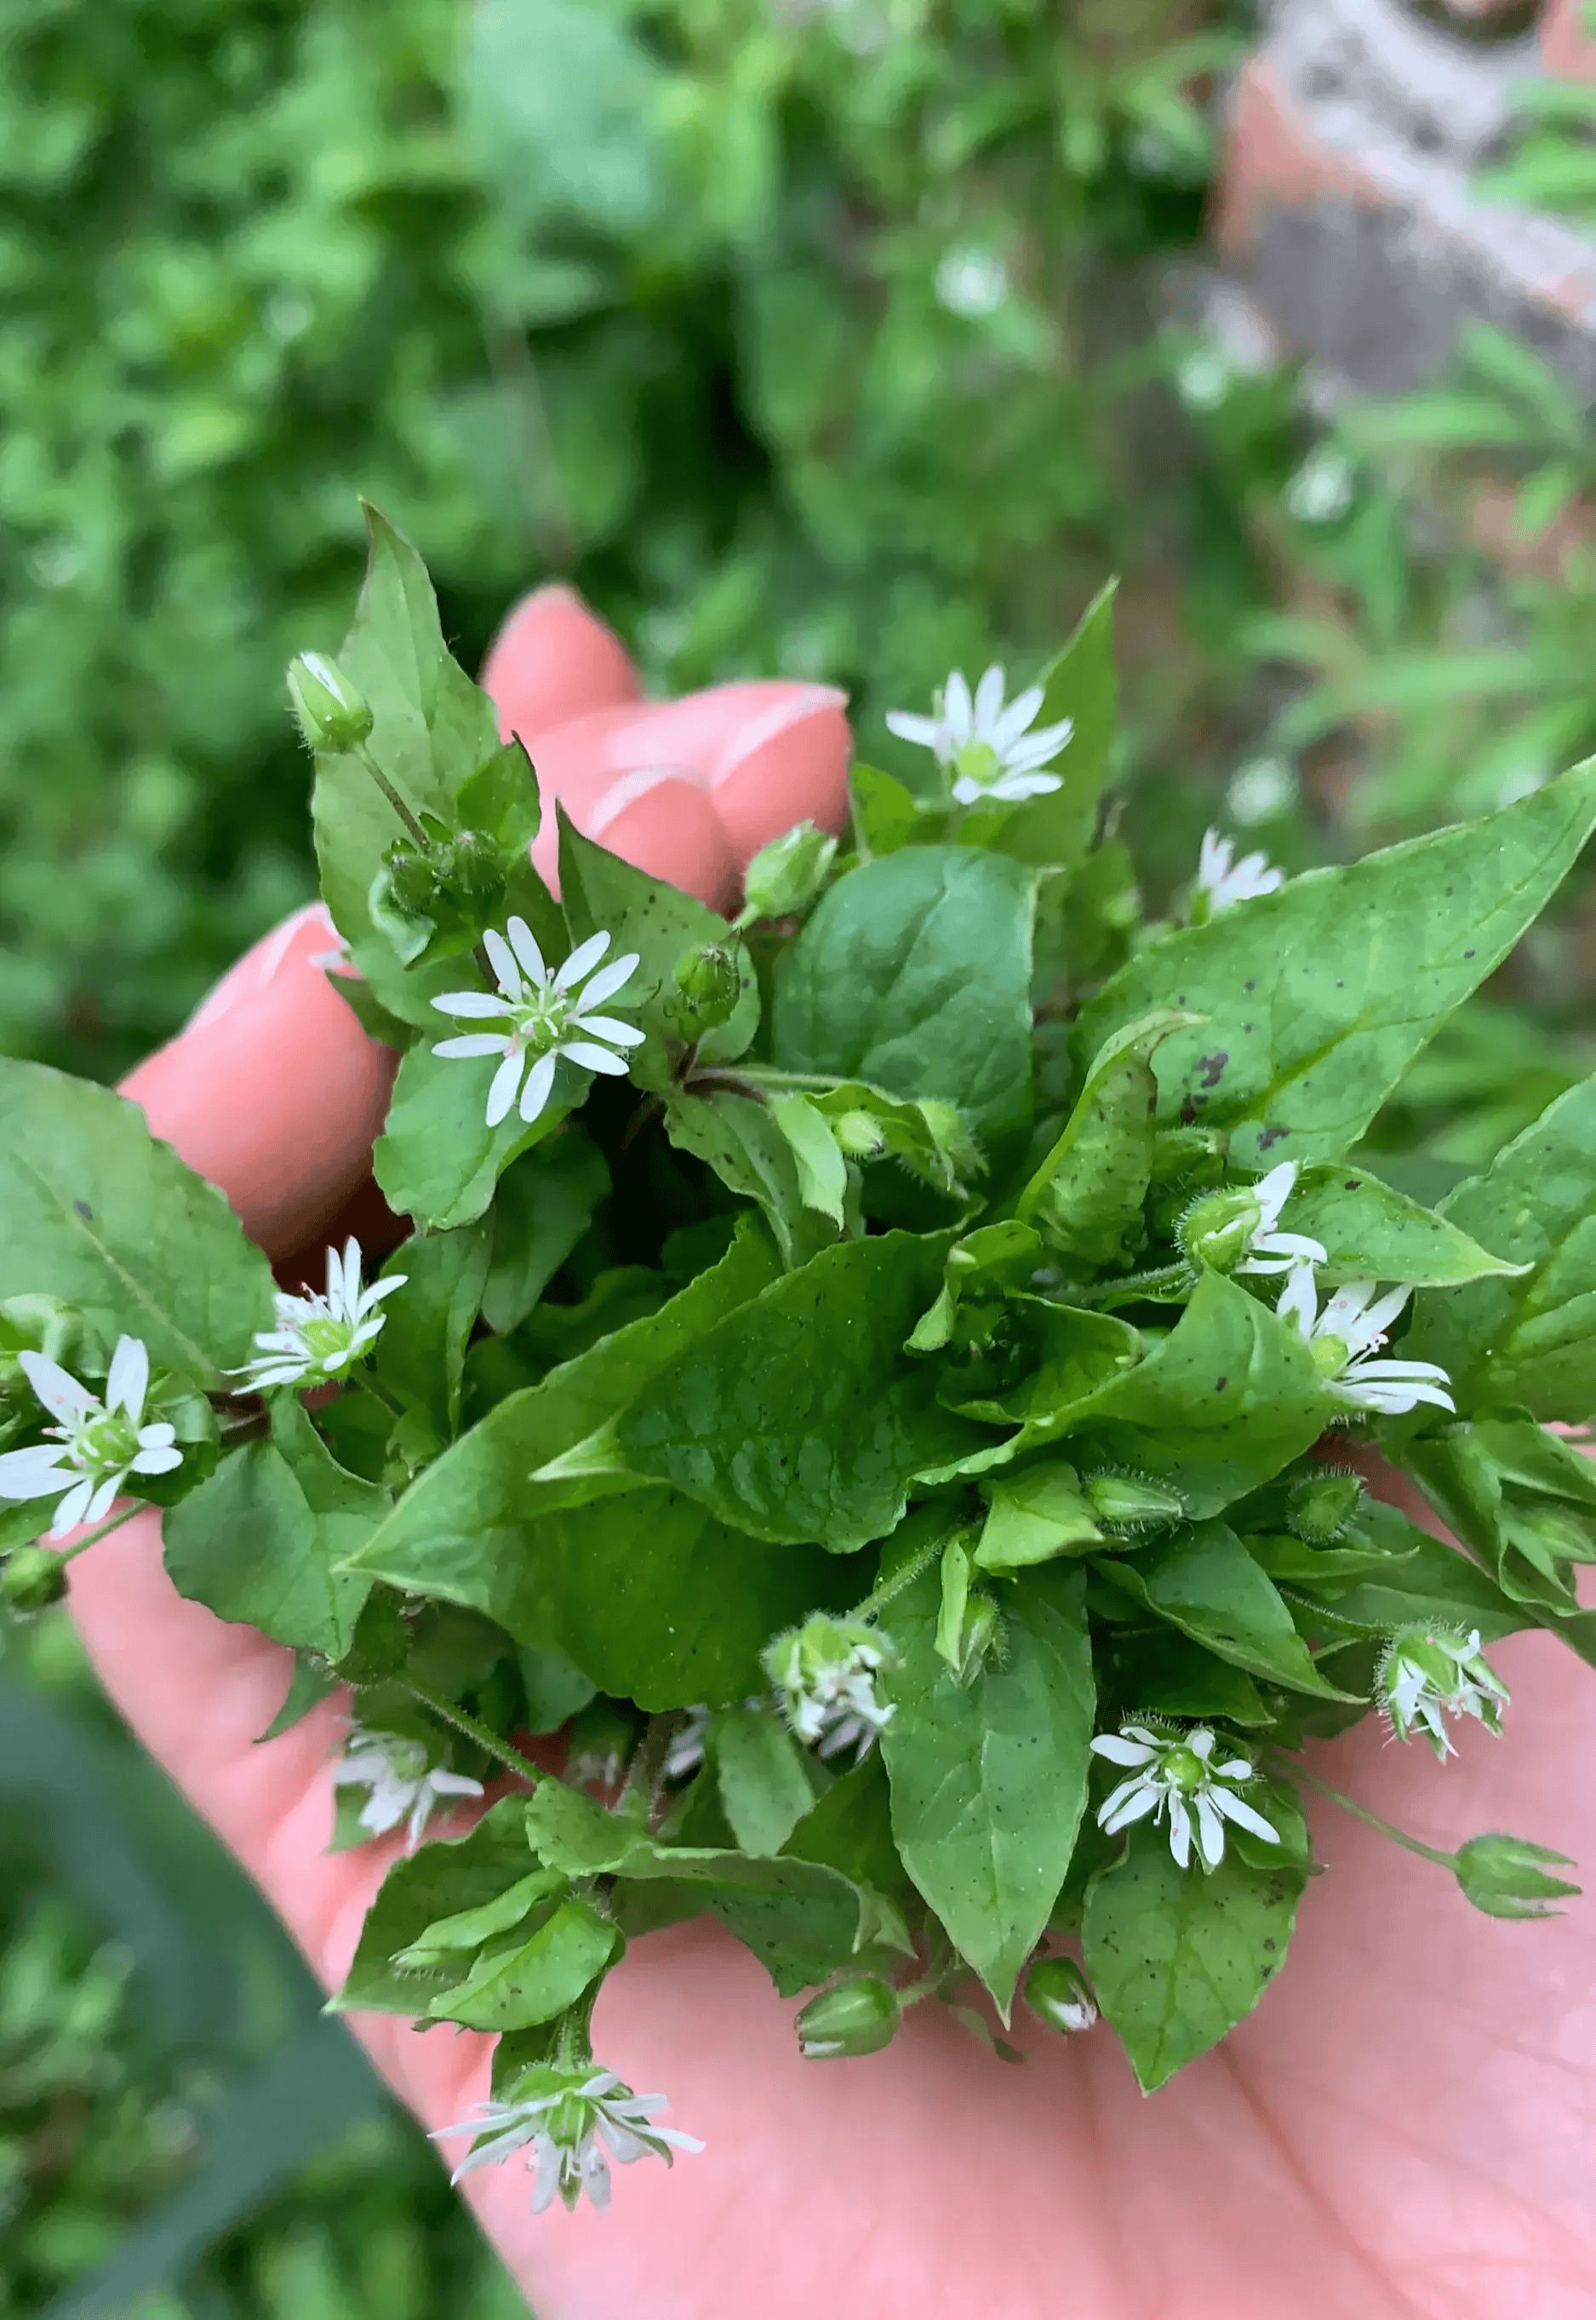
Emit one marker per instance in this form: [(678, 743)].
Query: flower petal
[(473, 1043), (33, 1473), (523, 942), (1131, 1800), (1119, 1750), (583, 960), (507, 973), (129, 1379), (535, 1094), (1211, 1829), (500, 1094), (1180, 1831), (74, 1508), (1007, 727), (607, 982), (1243, 1814), (611, 1028), (159, 1460), (958, 713), (56, 1387), (472, 1006), (988, 704), (593, 1059), (924, 732)]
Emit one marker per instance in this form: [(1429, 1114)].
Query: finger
[(271, 1090), (551, 660)]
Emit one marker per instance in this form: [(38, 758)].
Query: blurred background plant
[(841, 339)]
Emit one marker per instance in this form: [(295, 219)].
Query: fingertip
[(786, 763), (553, 659)]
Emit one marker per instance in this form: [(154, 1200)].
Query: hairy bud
[(1057, 1991), (1507, 1876), (1322, 1506), (859, 2017), (32, 1579), (785, 876), (332, 713)]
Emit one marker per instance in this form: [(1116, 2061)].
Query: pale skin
[(1405, 2126)]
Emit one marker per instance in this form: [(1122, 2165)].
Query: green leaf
[(1178, 1957), (1372, 1233), (884, 813), (763, 1776), (1034, 1516), (520, 1984), (1087, 1195), (1069, 1357), (260, 1539), (468, 1929), (1205, 1583), (739, 1139), (823, 1171), (448, 1877), (1318, 996), (97, 1213), (437, 1160), (1220, 1405), (1080, 684), (600, 893), (1530, 1340), (420, 1354), (1431, 1581), (544, 1204), (849, 1827), (800, 1416), (914, 973), (988, 1782)]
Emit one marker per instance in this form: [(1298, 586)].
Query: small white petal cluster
[(1222, 881), (318, 1338), (1320, 492), (542, 1016), (972, 283), (1174, 1774), (100, 1443), (989, 748), (825, 1675), (1345, 1337), (1424, 1676), (1269, 1249), (404, 1785), (563, 2120)]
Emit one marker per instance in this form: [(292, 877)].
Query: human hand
[(1401, 2129)]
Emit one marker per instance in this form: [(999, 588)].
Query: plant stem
[(1298, 1772), (105, 1530), (645, 1775), (1134, 1286), (904, 1576), (484, 1739), (414, 827)]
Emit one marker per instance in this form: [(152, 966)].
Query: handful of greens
[(862, 1368)]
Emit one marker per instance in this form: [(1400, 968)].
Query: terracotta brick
[(1567, 48)]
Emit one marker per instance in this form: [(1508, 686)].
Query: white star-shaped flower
[(318, 1338), (1174, 1773), (540, 1012), (101, 1443), (1423, 1675), (825, 1675), (989, 748), (563, 2119), (1223, 880), (1269, 1249), (1347, 1333), (404, 1784)]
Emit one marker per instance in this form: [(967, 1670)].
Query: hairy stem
[(449, 1713), (1298, 1770)]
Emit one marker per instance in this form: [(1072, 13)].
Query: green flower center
[(541, 1018), (977, 762), (326, 1336), (1330, 1355), (1185, 1770), (106, 1445)]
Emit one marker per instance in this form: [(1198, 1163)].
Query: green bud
[(473, 868), (1131, 1502), (1058, 1991), (785, 876), (332, 715), (1216, 1230), (858, 1134), (981, 1639), (859, 2017), (411, 879), (710, 983), (1321, 1507), (1506, 1876), (32, 1579)]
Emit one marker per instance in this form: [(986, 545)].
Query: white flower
[(825, 1674), (1423, 1675), (990, 749), (567, 2116), (320, 1337), (1202, 379), (685, 1752), (1343, 1338), (1222, 881), (1175, 1773), (540, 1012), (1262, 788), (404, 1784), (1320, 492), (102, 1442), (1269, 1249), (972, 283)]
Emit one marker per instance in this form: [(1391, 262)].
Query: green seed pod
[(1057, 1991), (1131, 1503), (785, 876), (1507, 1876), (32, 1579), (332, 713), (411, 880), (859, 2017), (1321, 1507), (710, 983)]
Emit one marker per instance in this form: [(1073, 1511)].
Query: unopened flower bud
[(785, 876), (411, 879), (1322, 1505), (1058, 1991), (474, 868), (1507, 1876), (981, 1639), (859, 2017), (858, 1134), (32, 1579), (1217, 1231), (332, 715), (1131, 1502), (709, 981)]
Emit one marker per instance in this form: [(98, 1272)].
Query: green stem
[(1133, 1287), (368, 1384), (393, 798), (887, 1591), (489, 1741), (1298, 1772), (645, 1775), (105, 1530)]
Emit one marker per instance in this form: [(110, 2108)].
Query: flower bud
[(1217, 1229), (32, 1579), (1506, 1876), (1321, 1506), (981, 1639), (474, 868), (1426, 1673), (1131, 1502), (859, 2017), (825, 1671), (785, 876), (710, 983), (858, 1134), (1057, 1991), (411, 879), (332, 715)]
